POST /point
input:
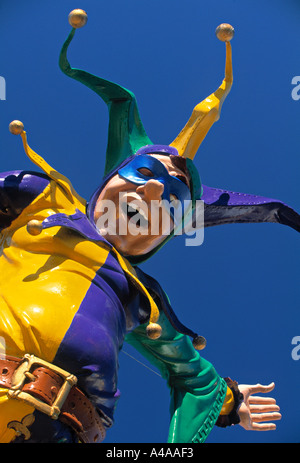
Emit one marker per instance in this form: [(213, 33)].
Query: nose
[(152, 190)]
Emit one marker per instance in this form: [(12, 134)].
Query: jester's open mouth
[(136, 214)]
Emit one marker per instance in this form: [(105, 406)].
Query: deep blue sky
[(240, 288)]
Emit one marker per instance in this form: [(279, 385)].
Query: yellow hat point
[(77, 18), (34, 227), (199, 342), (225, 32), (153, 331), (16, 127), (208, 111)]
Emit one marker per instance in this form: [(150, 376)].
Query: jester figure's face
[(143, 202)]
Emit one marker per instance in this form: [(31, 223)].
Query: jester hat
[(128, 138)]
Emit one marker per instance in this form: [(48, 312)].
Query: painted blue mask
[(172, 185)]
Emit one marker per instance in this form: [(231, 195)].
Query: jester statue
[(72, 289)]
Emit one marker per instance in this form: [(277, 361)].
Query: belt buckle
[(23, 372)]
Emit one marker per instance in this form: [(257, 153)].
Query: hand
[(255, 411)]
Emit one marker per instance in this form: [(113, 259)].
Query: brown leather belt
[(51, 390)]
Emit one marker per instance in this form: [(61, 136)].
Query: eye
[(173, 197), (145, 171)]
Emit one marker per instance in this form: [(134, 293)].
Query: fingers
[(261, 400), (269, 412), (259, 417), (258, 421), (260, 388), (263, 427), (267, 407)]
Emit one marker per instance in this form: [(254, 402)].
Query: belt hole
[(5, 371)]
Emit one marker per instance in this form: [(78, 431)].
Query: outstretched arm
[(197, 391), (200, 398)]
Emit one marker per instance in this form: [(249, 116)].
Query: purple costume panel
[(223, 206), (17, 190)]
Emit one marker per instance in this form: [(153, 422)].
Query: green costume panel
[(197, 391)]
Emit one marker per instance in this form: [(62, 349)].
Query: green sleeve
[(197, 391)]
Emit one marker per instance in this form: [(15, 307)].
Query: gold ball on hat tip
[(199, 342), (34, 227), (16, 127), (225, 32), (153, 331), (77, 18)]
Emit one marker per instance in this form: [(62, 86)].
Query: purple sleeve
[(17, 190)]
